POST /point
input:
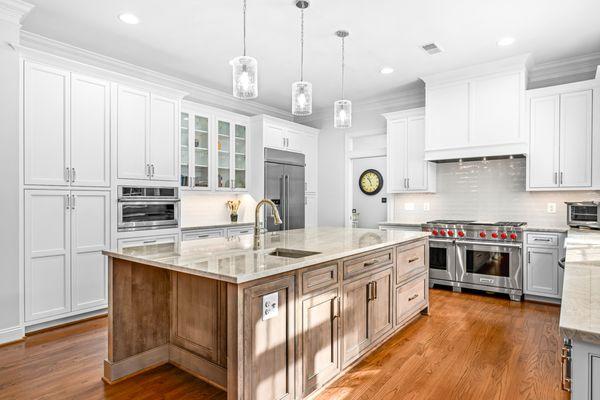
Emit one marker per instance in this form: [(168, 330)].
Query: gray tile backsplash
[(486, 191)]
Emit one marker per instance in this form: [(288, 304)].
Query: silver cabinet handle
[(408, 183), (542, 240), (152, 166), (73, 175), (148, 170), (72, 202), (556, 178), (67, 202), (67, 174), (149, 241), (561, 177), (528, 257)]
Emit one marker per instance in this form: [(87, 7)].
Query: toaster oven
[(583, 214)]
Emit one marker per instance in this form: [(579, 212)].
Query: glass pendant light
[(342, 109), (301, 90), (245, 71)]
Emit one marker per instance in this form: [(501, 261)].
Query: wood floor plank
[(471, 347)]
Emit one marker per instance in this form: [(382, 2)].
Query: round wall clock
[(370, 182)]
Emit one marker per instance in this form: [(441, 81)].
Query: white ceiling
[(195, 39)]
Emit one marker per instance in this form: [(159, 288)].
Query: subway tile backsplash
[(487, 191)]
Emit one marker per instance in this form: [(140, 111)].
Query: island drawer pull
[(414, 296), (374, 290), (149, 241), (335, 307), (412, 260), (369, 263)]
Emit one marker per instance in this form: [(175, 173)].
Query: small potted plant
[(233, 206)]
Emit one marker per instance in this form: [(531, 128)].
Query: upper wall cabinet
[(476, 111), (214, 149), (561, 152), (408, 171), (66, 128), (147, 136)]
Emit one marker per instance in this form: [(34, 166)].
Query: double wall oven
[(467, 254), (142, 208)]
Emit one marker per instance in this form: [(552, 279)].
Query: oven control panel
[(467, 232)]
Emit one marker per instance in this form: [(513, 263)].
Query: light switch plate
[(270, 306), (409, 206), (551, 208), (426, 206)]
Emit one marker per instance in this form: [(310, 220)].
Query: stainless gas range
[(476, 255)]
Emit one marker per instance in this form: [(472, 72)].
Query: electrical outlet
[(270, 306), (409, 206), (551, 208), (426, 206)]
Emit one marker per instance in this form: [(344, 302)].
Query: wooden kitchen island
[(260, 325)]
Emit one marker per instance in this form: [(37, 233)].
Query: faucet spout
[(274, 214)]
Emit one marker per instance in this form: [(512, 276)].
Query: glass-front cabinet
[(214, 150)]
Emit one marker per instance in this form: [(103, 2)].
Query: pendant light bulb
[(342, 109), (245, 71), (302, 90)]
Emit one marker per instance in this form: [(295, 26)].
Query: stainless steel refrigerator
[(284, 185)]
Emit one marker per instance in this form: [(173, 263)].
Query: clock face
[(370, 182)]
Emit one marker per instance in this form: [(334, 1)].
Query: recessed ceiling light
[(129, 18), (386, 70), (506, 41)]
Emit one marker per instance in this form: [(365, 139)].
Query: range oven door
[(442, 259), (147, 214), (498, 265)]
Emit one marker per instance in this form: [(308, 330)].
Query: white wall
[(371, 209), (492, 191), (10, 283)]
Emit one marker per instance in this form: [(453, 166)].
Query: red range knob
[(450, 233), (461, 233), (503, 235), (434, 232), (513, 236), (443, 232), (495, 235), (482, 234)]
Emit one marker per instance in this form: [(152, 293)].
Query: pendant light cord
[(244, 12), (302, 45), (343, 65)]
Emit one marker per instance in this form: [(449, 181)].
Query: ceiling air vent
[(432, 48)]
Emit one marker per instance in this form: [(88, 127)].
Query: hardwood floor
[(471, 347)]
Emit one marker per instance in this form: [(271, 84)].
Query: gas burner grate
[(510, 223)]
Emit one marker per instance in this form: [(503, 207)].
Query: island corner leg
[(235, 342)]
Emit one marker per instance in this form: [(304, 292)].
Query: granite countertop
[(541, 228), (234, 260), (580, 308), (215, 226), (401, 223)]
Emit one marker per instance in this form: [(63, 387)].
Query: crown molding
[(13, 11), (195, 92), (586, 64)]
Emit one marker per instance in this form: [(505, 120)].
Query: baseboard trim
[(11, 335), (201, 368), (116, 371)]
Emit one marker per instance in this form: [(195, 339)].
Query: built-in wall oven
[(142, 208)]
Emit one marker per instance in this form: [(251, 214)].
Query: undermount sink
[(290, 253)]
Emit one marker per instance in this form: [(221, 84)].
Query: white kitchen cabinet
[(311, 211), (309, 144), (133, 128), (560, 149), (65, 233), (274, 136), (163, 146), (196, 157), (126, 243), (447, 109), (90, 235), (232, 154), (47, 253), (542, 271), (90, 132), (408, 171), (147, 136)]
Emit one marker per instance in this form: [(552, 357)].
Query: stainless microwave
[(583, 214), (142, 208)]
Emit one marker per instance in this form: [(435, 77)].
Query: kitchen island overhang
[(258, 325)]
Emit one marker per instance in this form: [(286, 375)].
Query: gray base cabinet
[(543, 277), (585, 378)]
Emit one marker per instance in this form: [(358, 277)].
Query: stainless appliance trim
[(574, 222), (147, 196), (449, 274)]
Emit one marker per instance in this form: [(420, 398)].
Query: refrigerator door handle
[(282, 202), (287, 200)]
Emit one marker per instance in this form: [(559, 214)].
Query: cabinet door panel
[(381, 320), (320, 355), (576, 139), (90, 132), (542, 271), (133, 119), (495, 110), (47, 247), (310, 148), (90, 234), (355, 316), (416, 167), (397, 133), (46, 125), (544, 142), (274, 137), (163, 139), (311, 211), (447, 110), (240, 140)]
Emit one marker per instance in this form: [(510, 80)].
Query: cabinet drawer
[(410, 297), (231, 232), (542, 239), (357, 266), (320, 277), (410, 261), (203, 234)]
